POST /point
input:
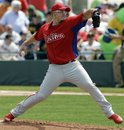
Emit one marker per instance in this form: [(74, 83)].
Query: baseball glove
[(96, 19)]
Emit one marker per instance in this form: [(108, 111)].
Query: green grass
[(67, 108), (61, 89)]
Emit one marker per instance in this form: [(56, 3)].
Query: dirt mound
[(45, 125)]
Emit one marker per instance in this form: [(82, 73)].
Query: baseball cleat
[(116, 118), (8, 118)]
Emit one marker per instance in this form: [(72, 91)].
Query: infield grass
[(65, 108)]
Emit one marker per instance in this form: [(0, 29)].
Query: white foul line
[(27, 93)]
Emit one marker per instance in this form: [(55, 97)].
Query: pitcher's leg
[(99, 98), (81, 78), (51, 81), (29, 102)]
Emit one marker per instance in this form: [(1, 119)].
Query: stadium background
[(32, 72)]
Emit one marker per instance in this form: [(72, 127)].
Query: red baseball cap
[(60, 6)]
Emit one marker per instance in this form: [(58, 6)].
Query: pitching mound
[(43, 125)]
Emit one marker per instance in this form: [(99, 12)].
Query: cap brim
[(65, 9)]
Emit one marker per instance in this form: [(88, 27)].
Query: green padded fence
[(33, 72)]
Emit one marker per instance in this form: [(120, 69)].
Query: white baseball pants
[(72, 72)]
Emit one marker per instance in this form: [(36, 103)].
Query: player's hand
[(22, 50), (88, 13)]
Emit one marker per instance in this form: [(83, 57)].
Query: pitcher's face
[(59, 15)]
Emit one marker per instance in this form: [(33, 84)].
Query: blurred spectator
[(15, 17), (9, 30), (108, 11), (117, 23), (83, 34), (32, 11), (39, 4), (4, 6), (35, 24), (48, 16), (112, 6), (91, 49), (8, 49)]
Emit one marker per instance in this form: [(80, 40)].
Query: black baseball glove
[(96, 19)]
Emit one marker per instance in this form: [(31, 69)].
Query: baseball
[(22, 53)]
